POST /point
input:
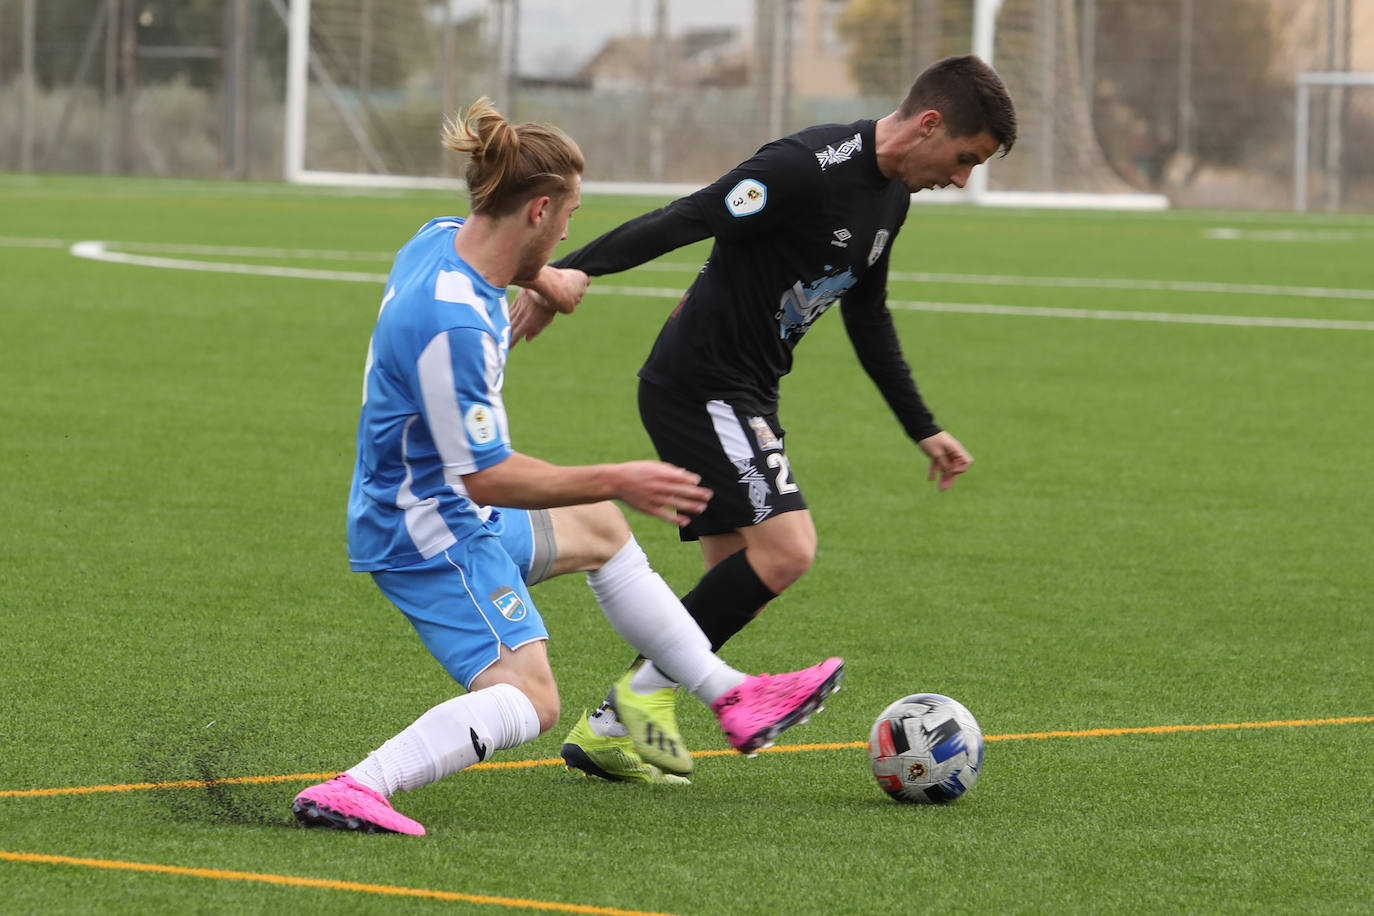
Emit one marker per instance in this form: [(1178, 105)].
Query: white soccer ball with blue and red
[(926, 749)]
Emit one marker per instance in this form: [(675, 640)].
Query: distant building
[(726, 57)]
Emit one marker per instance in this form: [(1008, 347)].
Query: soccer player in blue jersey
[(808, 220), (435, 462)]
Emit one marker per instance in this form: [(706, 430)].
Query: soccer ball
[(926, 749)]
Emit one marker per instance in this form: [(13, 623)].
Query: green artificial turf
[(1167, 524)]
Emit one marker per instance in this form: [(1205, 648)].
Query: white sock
[(647, 615), (647, 678), (604, 722), (450, 737)]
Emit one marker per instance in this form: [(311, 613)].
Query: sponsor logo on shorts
[(763, 433), (746, 198), (508, 603), (842, 237)]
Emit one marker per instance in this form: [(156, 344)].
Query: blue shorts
[(473, 598)]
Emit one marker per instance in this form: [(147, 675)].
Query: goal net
[(663, 108), (1040, 51)]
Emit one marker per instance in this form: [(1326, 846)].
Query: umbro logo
[(842, 237), (834, 155), (477, 745)]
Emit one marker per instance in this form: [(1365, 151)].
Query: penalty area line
[(776, 749), (356, 887)]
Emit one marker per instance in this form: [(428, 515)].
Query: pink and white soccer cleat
[(757, 711), (343, 803)]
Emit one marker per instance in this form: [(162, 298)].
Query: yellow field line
[(777, 749), (324, 883)]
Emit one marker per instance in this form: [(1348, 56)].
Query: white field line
[(242, 251), (1158, 286), (974, 308), (98, 251), (1232, 234)]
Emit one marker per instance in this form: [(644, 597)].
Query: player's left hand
[(948, 459)]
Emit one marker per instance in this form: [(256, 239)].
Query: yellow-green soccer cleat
[(610, 758), (652, 722)]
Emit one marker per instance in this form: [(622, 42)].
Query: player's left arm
[(868, 321), (632, 243)]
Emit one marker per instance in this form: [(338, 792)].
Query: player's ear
[(929, 121), (538, 208)]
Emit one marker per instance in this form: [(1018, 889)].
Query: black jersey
[(805, 221), (796, 227)]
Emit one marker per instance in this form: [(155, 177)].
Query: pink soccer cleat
[(755, 712), (343, 803)]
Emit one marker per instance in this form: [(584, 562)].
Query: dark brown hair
[(969, 95)]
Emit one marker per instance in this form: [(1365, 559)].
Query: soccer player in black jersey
[(808, 219)]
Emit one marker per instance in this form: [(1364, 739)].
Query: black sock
[(726, 598)]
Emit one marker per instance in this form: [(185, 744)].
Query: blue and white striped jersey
[(432, 408)]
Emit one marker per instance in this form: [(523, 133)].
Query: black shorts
[(738, 454)]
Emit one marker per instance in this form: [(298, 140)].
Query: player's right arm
[(653, 487)]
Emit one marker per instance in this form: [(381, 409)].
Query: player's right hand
[(529, 314), (662, 490)]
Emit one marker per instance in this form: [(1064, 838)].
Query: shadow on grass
[(211, 755)]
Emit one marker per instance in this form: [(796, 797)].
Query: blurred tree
[(882, 38), (1138, 47), (1232, 93)]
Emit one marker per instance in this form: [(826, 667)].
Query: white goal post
[(1302, 123), (368, 134)]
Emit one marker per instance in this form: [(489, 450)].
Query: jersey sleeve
[(868, 321), (641, 239), (760, 194), (458, 375)]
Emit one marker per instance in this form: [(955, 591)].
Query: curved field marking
[(391, 890), (97, 251), (776, 749)]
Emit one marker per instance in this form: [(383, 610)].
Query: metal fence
[(1194, 99)]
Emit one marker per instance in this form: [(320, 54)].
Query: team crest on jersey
[(879, 243), (508, 603), (763, 433), (480, 421), (834, 155), (746, 198)]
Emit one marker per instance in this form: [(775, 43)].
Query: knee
[(785, 563), (543, 696), (548, 712), (607, 531)]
